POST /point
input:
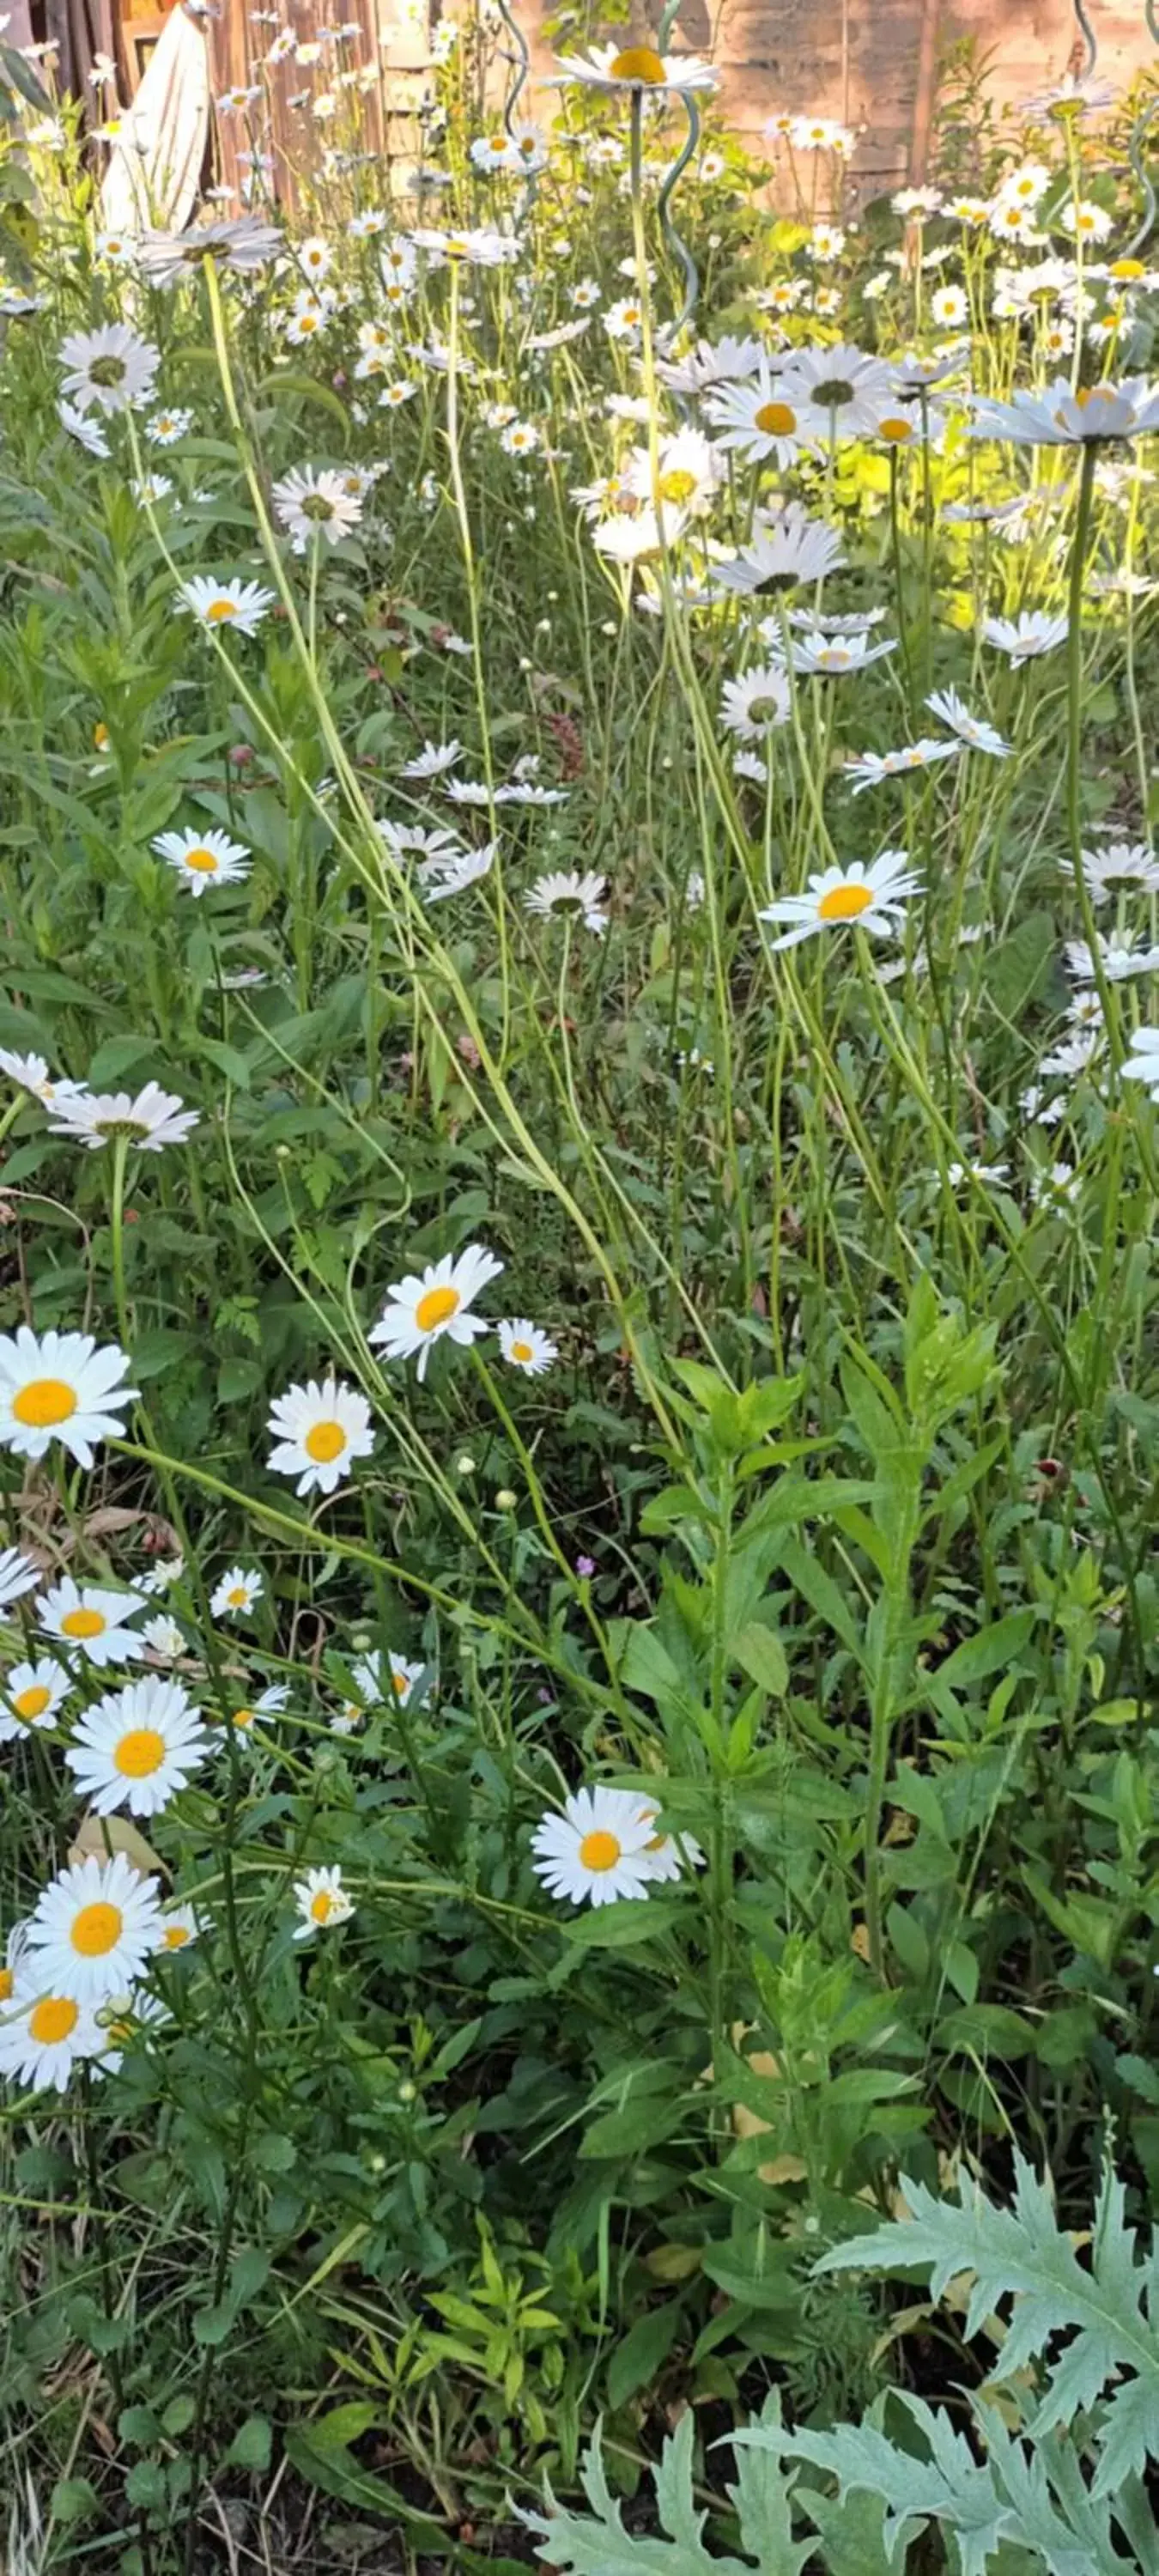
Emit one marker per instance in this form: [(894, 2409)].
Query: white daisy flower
[(752, 705), (782, 553), (837, 390), (309, 503), (635, 67), (873, 766), (689, 473), (320, 1429), (32, 1074), (18, 1575), (236, 1592), (1026, 635), (401, 1678), (567, 890), (322, 1901), (137, 1747), (829, 657), (167, 427), (670, 1856), (268, 1703), (461, 868), (1119, 960), (31, 1695), (179, 1926), (94, 1929), (84, 428), (1062, 417), (433, 760), (92, 1620), (164, 1639), (760, 420), (203, 859), (240, 605), (990, 1175), (60, 1386), (873, 897), (44, 2035), (974, 731), (152, 1120), (123, 2019), (525, 1346), (1121, 863), (419, 1311), (596, 1849), (112, 368), (476, 246)]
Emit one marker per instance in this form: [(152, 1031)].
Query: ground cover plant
[(578, 1378)]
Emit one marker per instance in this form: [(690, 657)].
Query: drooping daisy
[(781, 553), (203, 859), (319, 1430), (461, 868), (44, 2035), (31, 1695), (322, 1902), (32, 1074), (399, 1683), (872, 896), (84, 428), (92, 1620), (433, 760), (310, 504), (526, 1346), (974, 731), (152, 1120), (164, 1639), (94, 1929), (235, 1595), (1062, 417), (759, 420), (635, 67), (179, 1926), (985, 1175), (18, 1575), (111, 368), (595, 1849), (752, 705), (60, 1386), (1030, 633), (137, 1747), (1119, 960), (419, 1311), (569, 891), (874, 766), (240, 605)]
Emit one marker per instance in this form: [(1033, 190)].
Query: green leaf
[(73, 2500), (644, 2349), (762, 1657), (145, 2486), (337, 2473), (251, 2444)]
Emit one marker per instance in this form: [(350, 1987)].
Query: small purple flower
[(585, 1566)]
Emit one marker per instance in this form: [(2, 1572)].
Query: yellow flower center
[(844, 903), (436, 1307), (678, 486), (324, 1441), (523, 1352), (139, 1753), (599, 1850), (400, 1684), (237, 1596), (204, 863), (54, 2018), (43, 1403), (834, 658), (1128, 268), (776, 419), (897, 431), (322, 1906), (242, 1717), (31, 1703), (175, 1936), (219, 609), (100, 737), (307, 322), (83, 1623), (639, 63), (7, 1982), (96, 1930)]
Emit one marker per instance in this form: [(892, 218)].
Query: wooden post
[(924, 93)]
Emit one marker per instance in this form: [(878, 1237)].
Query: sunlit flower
[(237, 1593), (179, 1926), (1061, 417), (241, 242), (712, 362), (871, 897), (152, 1120), (596, 1849), (1023, 637), (974, 731), (94, 1929), (203, 859), (781, 555), (688, 473), (837, 392), (92, 1620), (566, 890), (30, 1695), (60, 1386), (44, 2035), (319, 1430), (420, 1310), (475, 247), (1085, 220), (111, 368), (759, 419), (167, 427), (322, 1902), (635, 67), (240, 605), (137, 1747), (525, 1346)]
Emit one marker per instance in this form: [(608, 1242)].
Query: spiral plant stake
[(1135, 155), (522, 59), (672, 177)]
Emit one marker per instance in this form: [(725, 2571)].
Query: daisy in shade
[(84, 428), (93, 1621), (31, 1695), (454, 874), (974, 731), (179, 1926), (310, 504), (164, 1639), (44, 2035), (1121, 863), (94, 1929), (759, 419), (240, 605), (137, 1747), (400, 1681), (874, 766), (1143, 1064), (525, 1346), (1061, 417), (18, 1575), (635, 67), (268, 1703), (433, 760), (872, 897), (670, 1856), (60, 1386), (322, 1902), (319, 1430), (109, 369), (152, 1120), (236, 1593), (752, 705), (567, 891), (419, 1311), (781, 553), (203, 859), (1025, 636), (595, 1851), (31, 1073)]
